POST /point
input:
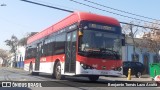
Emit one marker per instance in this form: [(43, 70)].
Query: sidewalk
[(13, 68)]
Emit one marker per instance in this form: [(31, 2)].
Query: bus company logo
[(43, 59)]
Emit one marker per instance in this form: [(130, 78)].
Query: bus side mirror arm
[(80, 32), (123, 40)]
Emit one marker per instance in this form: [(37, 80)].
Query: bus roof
[(71, 19)]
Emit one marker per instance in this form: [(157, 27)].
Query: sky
[(18, 17)]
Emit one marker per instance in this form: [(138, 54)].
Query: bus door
[(70, 52), (38, 56)]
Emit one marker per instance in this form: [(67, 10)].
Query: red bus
[(82, 44)]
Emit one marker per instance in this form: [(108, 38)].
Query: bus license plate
[(104, 73)]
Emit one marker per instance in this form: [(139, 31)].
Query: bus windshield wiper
[(114, 53), (91, 50)]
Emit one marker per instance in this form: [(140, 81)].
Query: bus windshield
[(100, 44)]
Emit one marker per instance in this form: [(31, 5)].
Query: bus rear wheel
[(93, 78), (58, 72)]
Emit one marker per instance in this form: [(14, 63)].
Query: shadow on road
[(83, 82)]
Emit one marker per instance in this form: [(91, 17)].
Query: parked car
[(137, 68)]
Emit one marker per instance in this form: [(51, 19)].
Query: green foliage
[(3, 54), (23, 41), (12, 43)]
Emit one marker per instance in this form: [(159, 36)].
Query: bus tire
[(53, 75), (93, 78), (35, 73), (58, 74), (138, 75)]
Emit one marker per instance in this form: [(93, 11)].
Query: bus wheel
[(138, 75), (93, 78), (58, 71)]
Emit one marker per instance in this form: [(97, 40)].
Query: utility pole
[(132, 36)]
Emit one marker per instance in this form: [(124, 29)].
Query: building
[(142, 54), (1, 62), (20, 56), (20, 52), (11, 61)]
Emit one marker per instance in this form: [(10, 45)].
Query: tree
[(23, 41), (4, 55), (12, 43), (152, 38), (131, 31)]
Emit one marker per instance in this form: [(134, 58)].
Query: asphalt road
[(70, 83)]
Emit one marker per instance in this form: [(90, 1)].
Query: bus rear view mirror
[(80, 32), (123, 39), (123, 42)]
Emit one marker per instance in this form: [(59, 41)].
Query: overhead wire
[(120, 10), (47, 6), (70, 11), (113, 12), (54, 4)]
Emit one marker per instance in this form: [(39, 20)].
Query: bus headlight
[(85, 66), (117, 69)]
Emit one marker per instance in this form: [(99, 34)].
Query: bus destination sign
[(103, 27)]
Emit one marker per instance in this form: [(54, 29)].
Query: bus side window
[(51, 45), (60, 44), (123, 39), (33, 51), (26, 53), (45, 48), (29, 53)]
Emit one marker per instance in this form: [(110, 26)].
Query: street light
[(3, 4)]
